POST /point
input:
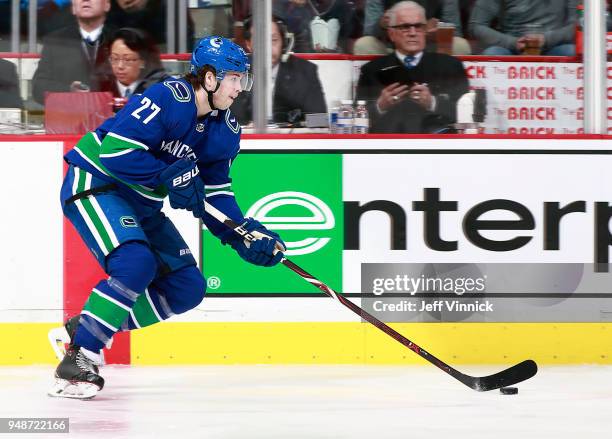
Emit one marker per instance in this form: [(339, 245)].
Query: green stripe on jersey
[(143, 312), (105, 310), (98, 225), (114, 145), (105, 237), (81, 177), (90, 150), (218, 188), (212, 194)]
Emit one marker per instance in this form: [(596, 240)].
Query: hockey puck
[(509, 390)]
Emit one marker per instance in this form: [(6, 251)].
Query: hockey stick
[(515, 374)]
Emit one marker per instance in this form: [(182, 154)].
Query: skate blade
[(75, 390), (58, 337)]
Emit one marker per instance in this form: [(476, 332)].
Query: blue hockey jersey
[(156, 129)]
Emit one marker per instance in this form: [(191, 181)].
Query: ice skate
[(62, 336), (76, 376)]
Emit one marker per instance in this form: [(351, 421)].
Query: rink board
[(272, 316), (335, 343), (361, 343)]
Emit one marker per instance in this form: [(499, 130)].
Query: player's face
[(409, 40), (90, 8), (125, 62), (229, 90)]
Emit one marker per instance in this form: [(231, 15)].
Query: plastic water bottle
[(333, 120), (345, 117), (361, 122)]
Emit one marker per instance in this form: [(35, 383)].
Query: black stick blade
[(515, 374)]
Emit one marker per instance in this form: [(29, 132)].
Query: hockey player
[(178, 139)]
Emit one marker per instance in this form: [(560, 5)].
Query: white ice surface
[(317, 402)]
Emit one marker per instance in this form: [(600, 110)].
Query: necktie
[(91, 48), (127, 93), (408, 60)]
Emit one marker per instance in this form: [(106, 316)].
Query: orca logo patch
[(179, 90), (128, 221)]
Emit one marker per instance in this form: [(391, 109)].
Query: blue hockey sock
[(107, 307), (174, 293), (132, 267), (150, 308)]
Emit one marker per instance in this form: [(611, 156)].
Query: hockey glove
[(185, 187), (261, 251)]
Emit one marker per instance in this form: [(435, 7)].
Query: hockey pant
[(152, 273)]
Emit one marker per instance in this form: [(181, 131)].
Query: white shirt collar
[(415, 62), (93, 35), (122, 88)]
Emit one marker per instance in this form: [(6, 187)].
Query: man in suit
[(297, 88), (410, 90), (9, 86), (75, 58)]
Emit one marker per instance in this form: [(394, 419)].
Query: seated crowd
[(412, 85)]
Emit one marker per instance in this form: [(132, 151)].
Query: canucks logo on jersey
[(179, 89), (154, 130)]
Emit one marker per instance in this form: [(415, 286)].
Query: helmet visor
[(245, 78), (246, 82)]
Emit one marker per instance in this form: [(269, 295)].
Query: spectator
[(135, 63), (376, 42), (552, 22), (149, 15), (9, 86), (465, 10), (51, 15), (241, 10), (299, 15), (297, 88), (411, 90), (75, 58), (140, 14)]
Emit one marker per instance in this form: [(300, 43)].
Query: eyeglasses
[(404, 27), (115, 60)]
